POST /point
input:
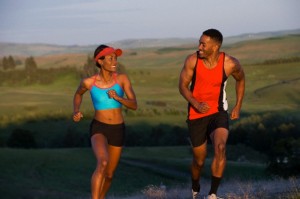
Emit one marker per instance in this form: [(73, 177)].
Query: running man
[(202, 83)]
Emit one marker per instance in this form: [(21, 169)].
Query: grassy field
[(154, 74), (64, 173)]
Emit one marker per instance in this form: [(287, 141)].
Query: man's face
[(207, 46)]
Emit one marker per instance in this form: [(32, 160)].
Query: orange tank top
[(208, 85)]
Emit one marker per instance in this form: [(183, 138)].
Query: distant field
[(154, 74)]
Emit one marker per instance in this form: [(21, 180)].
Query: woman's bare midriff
[(110, 116)]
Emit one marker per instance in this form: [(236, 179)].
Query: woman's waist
[(110, 116)]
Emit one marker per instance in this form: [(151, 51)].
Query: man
[(202, 83)]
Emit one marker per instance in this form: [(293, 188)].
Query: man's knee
[(220, 150)]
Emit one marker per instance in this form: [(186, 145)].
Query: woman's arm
[(130, 100), (77, 115)]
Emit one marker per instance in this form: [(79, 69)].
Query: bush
[(21, 138), (74, 138)]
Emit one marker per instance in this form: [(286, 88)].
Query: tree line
[(32, 74), (272, 134)]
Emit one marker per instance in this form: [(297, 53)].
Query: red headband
[(107, 51)]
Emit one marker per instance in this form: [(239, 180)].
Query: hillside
[(22, 50), (154, 75)]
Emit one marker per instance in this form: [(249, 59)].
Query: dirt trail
[(232, 189)]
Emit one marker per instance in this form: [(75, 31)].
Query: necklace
[(103, 80)]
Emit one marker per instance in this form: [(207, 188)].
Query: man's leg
[(219, 138), (199, 155)]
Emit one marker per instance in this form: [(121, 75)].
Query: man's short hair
[(214, 34)]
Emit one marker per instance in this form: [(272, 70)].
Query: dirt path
[(232, 189)]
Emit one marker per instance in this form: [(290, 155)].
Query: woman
[(107, 130)]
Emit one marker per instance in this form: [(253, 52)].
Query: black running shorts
[(201, 128), (114, 133)]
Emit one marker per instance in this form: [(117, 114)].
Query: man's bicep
[(185, 76), (238, 73)]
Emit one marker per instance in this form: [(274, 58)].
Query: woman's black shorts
[(114, 133)]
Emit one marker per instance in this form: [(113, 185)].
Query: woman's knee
[(102, 165), (199, 163)]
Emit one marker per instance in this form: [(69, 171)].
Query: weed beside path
[(233, 189)]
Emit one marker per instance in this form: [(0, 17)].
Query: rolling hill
[(22, 50)]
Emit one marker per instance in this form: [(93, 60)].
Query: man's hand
[(235, 113), (202, 107)]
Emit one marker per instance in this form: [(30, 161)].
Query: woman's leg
[(114, 154), (100, 149)]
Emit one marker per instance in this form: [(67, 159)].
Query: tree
[(11, 62), (31, 70), (30, 65), (89, 68), (8, 63), (5, 63)]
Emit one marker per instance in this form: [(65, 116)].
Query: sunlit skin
[(107, 156), (209, 52)]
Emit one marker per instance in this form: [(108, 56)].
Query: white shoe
[(195, 194), (213, 196)]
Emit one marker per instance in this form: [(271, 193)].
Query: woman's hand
[(113, 94), (77, 116)]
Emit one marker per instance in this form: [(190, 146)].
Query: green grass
[(65, 173), (45, 173)]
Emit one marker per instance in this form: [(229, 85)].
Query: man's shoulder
[(192, 57), (230, 60)]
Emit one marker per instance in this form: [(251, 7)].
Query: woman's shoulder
[(89, 81), (121, 76)]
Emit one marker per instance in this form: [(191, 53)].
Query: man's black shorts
[(200, 129), (114, 133)]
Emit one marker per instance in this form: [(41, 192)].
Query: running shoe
[(213, 196), (196, 195)]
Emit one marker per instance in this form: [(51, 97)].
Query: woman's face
[(109, 63)]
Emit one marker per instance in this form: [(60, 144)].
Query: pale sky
[(85, 22)]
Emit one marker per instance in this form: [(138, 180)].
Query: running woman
[(202, 83), (107, 129)]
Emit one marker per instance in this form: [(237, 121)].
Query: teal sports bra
[(100, 98)]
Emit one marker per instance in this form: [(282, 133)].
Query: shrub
[(21, 138)]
